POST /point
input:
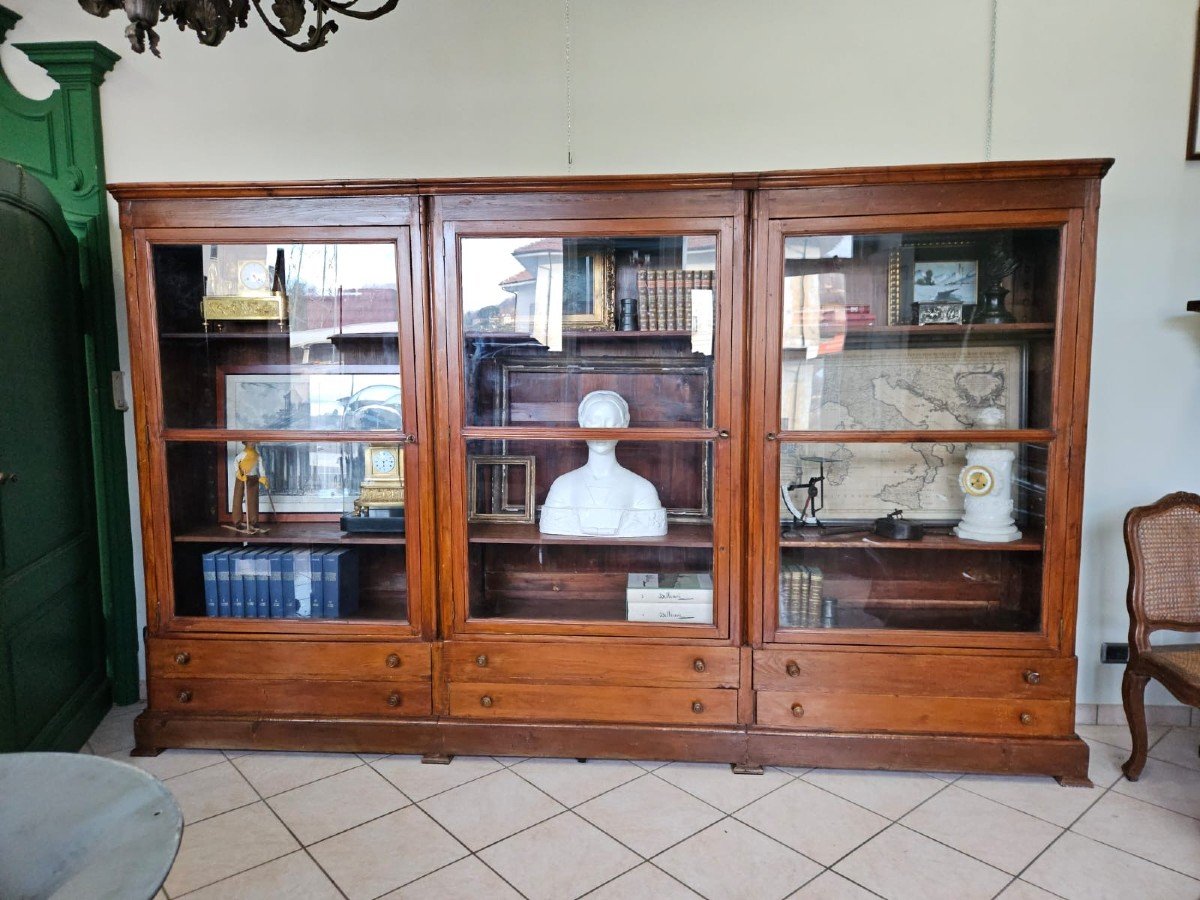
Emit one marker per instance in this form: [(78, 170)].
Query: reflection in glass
[(275, 335), (547, 320), (906, 331), (839, 569)]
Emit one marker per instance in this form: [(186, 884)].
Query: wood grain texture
[(560, 663), (574, 703), (846, 711), (915, 674), (285, 697), (193, 659)]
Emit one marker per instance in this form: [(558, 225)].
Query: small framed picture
[(501, 489), (946, 282)]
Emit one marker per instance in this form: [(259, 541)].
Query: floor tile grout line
[(944, 785), (470, 852), (444, 791), (713, 805), (296, 787), (642, 773), (1131, 852)]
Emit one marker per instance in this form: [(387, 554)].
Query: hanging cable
[(567, 56), (991, 84)]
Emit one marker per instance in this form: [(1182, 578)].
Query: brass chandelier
[(213, 19)]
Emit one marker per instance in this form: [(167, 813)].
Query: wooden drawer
[(575, 703), (171, 658), (288, 697), (576, 663), (921, 715), (916, 675)]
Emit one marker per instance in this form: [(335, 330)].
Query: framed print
[(501, 489), (589, 285), (932, 388), (306, 479), (928, 272)]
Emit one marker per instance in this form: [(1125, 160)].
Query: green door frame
[(59, 141)]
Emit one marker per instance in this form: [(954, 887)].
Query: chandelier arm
[(346, 8), (317, 34)]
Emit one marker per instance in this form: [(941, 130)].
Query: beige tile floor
[(340, 825)]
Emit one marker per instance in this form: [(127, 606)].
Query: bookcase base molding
[(635, 467)]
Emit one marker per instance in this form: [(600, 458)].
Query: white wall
[(464, 87)]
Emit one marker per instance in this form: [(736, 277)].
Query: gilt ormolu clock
[(380, 502)]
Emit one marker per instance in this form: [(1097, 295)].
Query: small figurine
[(245, 488)]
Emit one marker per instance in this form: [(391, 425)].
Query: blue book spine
[(208, 564), (262, 575), (289, 583), (341, 583), (224, 584), (316, 574), (237, 583), (275, 588)]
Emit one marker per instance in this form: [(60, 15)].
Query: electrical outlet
[(1114, 653)]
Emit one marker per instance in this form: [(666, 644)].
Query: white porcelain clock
[(986, 482)]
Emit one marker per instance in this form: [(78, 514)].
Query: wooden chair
[(1163, 543)]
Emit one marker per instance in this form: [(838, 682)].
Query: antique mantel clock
[(379, 505), (239, 286)]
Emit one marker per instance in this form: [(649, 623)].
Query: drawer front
[(576, 663), (365, 661), (574, 703), (919, 715), (282, 698), (917, 675)]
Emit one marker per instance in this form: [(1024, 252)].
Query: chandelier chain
[(991, 83), (567, 59)]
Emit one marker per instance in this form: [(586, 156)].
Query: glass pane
[(279, 336), (299, 506), (897, 332), (944, 536), (575, 531), (546, 320)]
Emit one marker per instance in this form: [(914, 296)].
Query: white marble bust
[(602, 497)]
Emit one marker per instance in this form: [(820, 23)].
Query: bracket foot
[(745, 769), (437, 759)]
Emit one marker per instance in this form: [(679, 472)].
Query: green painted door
[(53, 685)]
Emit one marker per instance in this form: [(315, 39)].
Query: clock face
[(977, 480), (383, 461), (253, 275)]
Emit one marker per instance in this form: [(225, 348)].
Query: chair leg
[(1133, 693)]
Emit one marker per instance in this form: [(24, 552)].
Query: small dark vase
[(991, 309)]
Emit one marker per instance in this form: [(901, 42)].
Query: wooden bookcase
[(460, 323)]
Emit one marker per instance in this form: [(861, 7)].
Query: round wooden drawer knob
[(183, 658), (797, 710), (392, 661), (793, 668), (699, 665), (1026, 719), (1032, 677), (393, 699), (185, 696), (697, 707), (481, 660), (485, 701)]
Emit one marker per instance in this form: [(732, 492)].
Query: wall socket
[(1114, 653)]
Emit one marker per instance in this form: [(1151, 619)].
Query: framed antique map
[(895, 389)]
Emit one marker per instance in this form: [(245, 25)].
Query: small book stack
[(664, 297), (859, 317), (678, 597), (800, 595), (281, 583)]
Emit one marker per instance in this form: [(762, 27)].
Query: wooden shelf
[(577, 335), (929, 616), (941, 539), (286, 533), (868, 333), (225, 335), (685, 535)]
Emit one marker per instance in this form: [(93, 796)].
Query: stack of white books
[(674, 597)]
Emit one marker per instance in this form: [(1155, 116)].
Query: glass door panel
[(285, 541), (546, 320), (568, 531), (285, 336), (971, 559), (918, 330)]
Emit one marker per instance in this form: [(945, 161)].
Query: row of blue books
[(281, 583)]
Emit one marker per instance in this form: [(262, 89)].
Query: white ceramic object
[(986, 482), (602, 498)]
